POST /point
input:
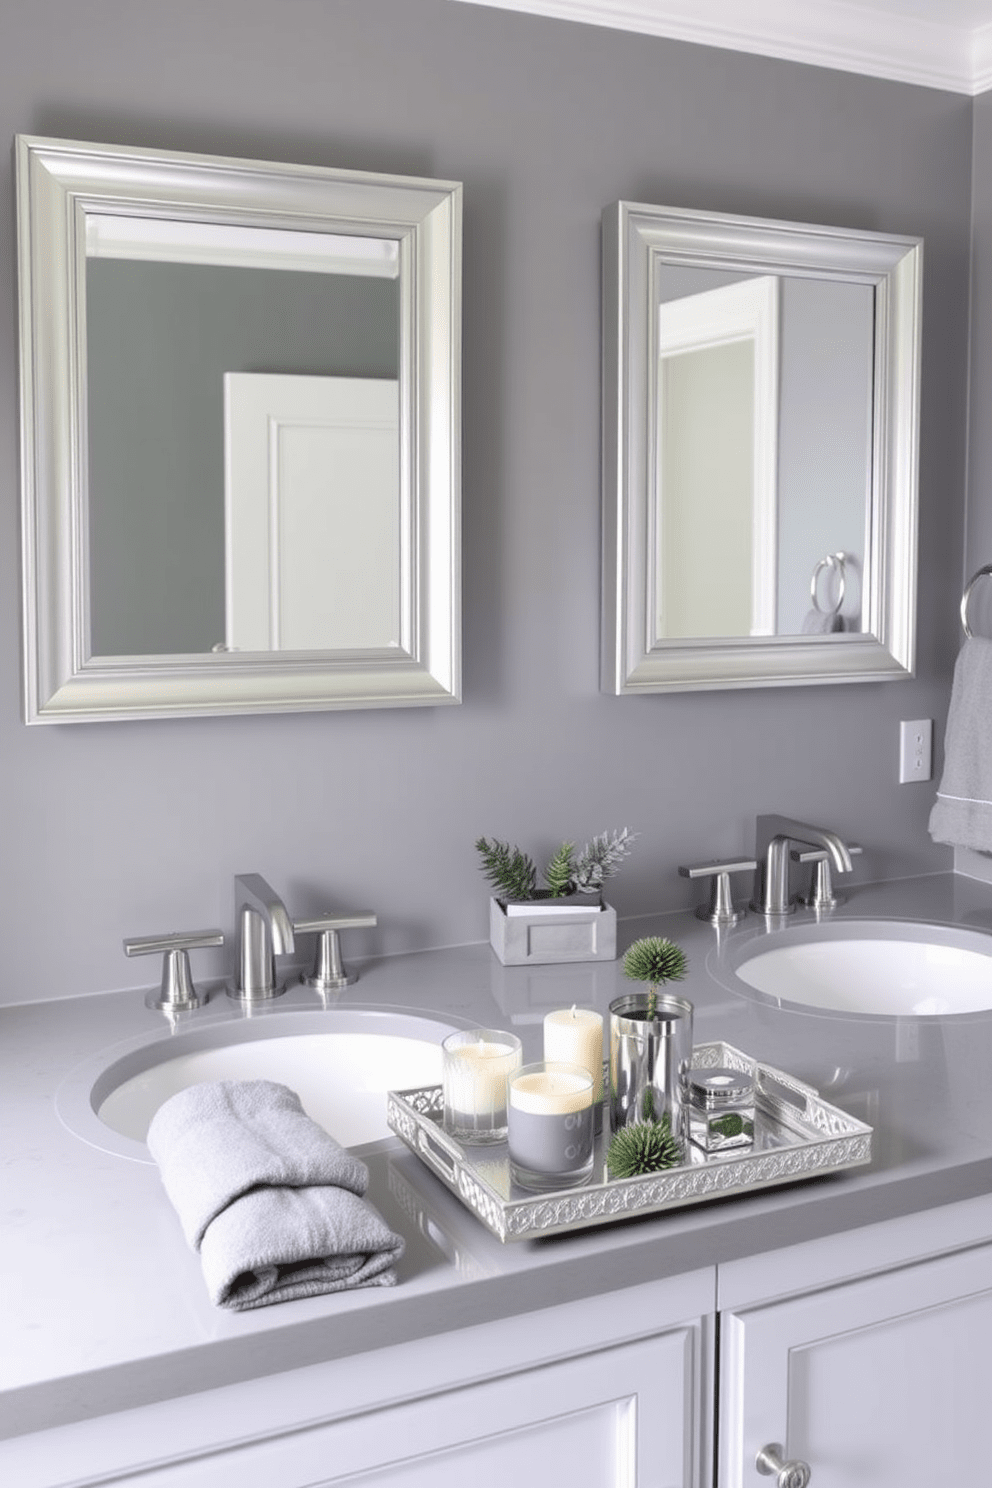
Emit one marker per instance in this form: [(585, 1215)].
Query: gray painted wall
[(825, 461), (118, 829)]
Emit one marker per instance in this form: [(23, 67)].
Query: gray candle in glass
[(550, 1125)]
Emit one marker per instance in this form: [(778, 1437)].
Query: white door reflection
[(312, 513), (716, 519)]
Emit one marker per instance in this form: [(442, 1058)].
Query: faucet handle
[(329, 974), (821, 890), (720, 909), (177, 993)]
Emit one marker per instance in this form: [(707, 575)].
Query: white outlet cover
[(915, 750)]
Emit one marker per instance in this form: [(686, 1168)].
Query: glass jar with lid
[(721, 1109)]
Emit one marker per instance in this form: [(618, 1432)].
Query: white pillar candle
[(575, 1036)]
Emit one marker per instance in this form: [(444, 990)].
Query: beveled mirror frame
[(60, 184), (638, 242)]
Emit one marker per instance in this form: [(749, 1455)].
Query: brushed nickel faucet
[(820, 893), (329, 973), (264, 930), (771, 881)]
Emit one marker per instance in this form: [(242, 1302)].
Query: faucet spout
[(264, 931), (774, 833)]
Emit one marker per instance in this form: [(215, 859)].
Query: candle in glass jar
[(550, 1120), (575, 1036), (477, 1065)]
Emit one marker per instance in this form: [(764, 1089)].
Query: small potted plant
[(650, 1039), (563, 919), (644, 1147)]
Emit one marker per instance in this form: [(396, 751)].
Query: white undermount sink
[(885, 968), (341, 1062)]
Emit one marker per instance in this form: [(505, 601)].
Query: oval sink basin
[(877, 967), (340, 1062)]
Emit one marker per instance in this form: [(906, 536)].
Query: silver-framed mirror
[(240, 435), (760, 451)]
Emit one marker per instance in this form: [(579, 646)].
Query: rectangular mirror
[(240, 389), (760, 431)]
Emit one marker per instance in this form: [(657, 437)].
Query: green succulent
[(655, 960), (560, 872), (643, 1147), (513, 873), (732, 1125)]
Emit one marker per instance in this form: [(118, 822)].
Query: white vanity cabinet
[(610, 1392), (880, 1382), (866, 1354)]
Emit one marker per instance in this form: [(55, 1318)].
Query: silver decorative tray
[(797, 1135)]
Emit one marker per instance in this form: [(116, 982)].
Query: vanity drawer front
[(608, 1419)]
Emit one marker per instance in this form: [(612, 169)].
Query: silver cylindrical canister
[(649, 1060)]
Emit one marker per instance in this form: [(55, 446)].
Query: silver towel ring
[(982, 572), (836, 562)]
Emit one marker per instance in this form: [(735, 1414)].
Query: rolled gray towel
[(272, 1203)]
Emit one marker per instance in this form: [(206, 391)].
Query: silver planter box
[(546, 931)]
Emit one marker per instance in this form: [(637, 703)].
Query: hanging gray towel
[(272, 1203), (962, 814), (817, 623)]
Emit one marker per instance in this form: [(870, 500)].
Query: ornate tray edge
[(828, 1141)]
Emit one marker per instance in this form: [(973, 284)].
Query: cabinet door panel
[(623, 1417), (881, 1383), (588, 1449)]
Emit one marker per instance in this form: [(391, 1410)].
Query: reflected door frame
[(747, 311)]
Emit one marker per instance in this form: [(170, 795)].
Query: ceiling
[(936, 43)]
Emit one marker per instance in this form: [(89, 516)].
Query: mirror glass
[(166, 510), (760, 384), (764, 452), (261, 508)]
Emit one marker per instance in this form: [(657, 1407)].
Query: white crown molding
[(824, 33), (981, 59)]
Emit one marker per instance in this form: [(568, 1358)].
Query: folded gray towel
[(962, 815), (271, 1202)]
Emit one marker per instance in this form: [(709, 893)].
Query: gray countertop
[(109, 1309)]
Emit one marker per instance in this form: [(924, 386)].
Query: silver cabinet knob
[(793, 1474), (177, 993), (720, 909), (329, 974)]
